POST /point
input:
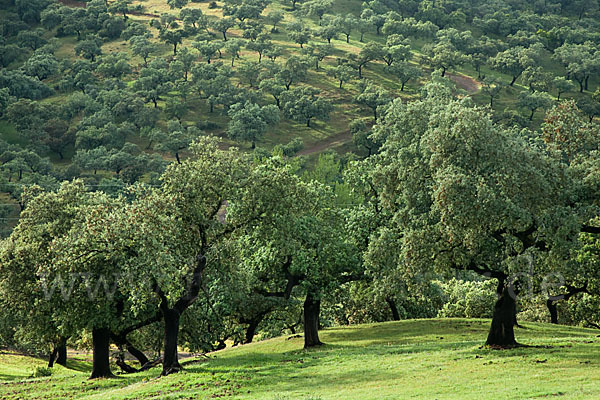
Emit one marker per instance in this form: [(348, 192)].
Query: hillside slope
[(425, 359)]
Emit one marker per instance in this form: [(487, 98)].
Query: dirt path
[(332, 141), (465, 82)]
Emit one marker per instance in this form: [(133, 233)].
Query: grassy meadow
[(413, 359)]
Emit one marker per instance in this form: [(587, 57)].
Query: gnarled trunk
[(171, 316), (100, 362), (505, 314), (312, 309), (170, 357), (59, 354)]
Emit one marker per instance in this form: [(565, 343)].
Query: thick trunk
[(61, 353), (171, 317), (551, 304), (312, 309), (394, 309), (505, 313), (251, 330), (100, 363), (170, 358)]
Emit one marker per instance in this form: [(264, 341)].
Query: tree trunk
[(553, 311), (402, 88), (52, 358), (505, 312), (587, 78), (312, 309), (170, 357), (514, 79), (394, 309), (171, 316), (251, 330), (100, 363), (531, 115), (61, 352)]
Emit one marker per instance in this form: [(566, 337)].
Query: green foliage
[(303, 104), (468, 299)]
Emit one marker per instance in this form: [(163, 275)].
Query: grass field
[(418, 359)]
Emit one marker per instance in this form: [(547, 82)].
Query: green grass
[(423, 359)]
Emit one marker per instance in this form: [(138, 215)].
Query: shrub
[(40, 372), (468, 299)]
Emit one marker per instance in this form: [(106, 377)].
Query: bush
[(212, 4), (468, 299), (40, 372)]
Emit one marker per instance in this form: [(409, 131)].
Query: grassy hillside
[(426, 359)]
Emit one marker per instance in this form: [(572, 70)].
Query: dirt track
[(465, 82)]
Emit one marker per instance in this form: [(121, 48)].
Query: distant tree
[(317, 8), (562, 85), (343, 73), (405, 72), (34, 39), (274, 18), (534, 101), (114, 65), (208, 49), (261, 45), (580, 61), (318, 52), (173, 37), (194, 20), (222, 25), (299, 33), (492, 88), (58, 136), (176, 138), (303, 104), (233, 48), (8, 54), (537, 79), (373, 97), (370, 52), (445, 56), (397, 49), (275, 87), (512, 62), (177, 3), (143, 47), (41, 65), (89, 48), (153, 81), (294, 70), (328, 30), (135, 29), (121, 7), (249, 121), (30, 10), (346, 25)]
